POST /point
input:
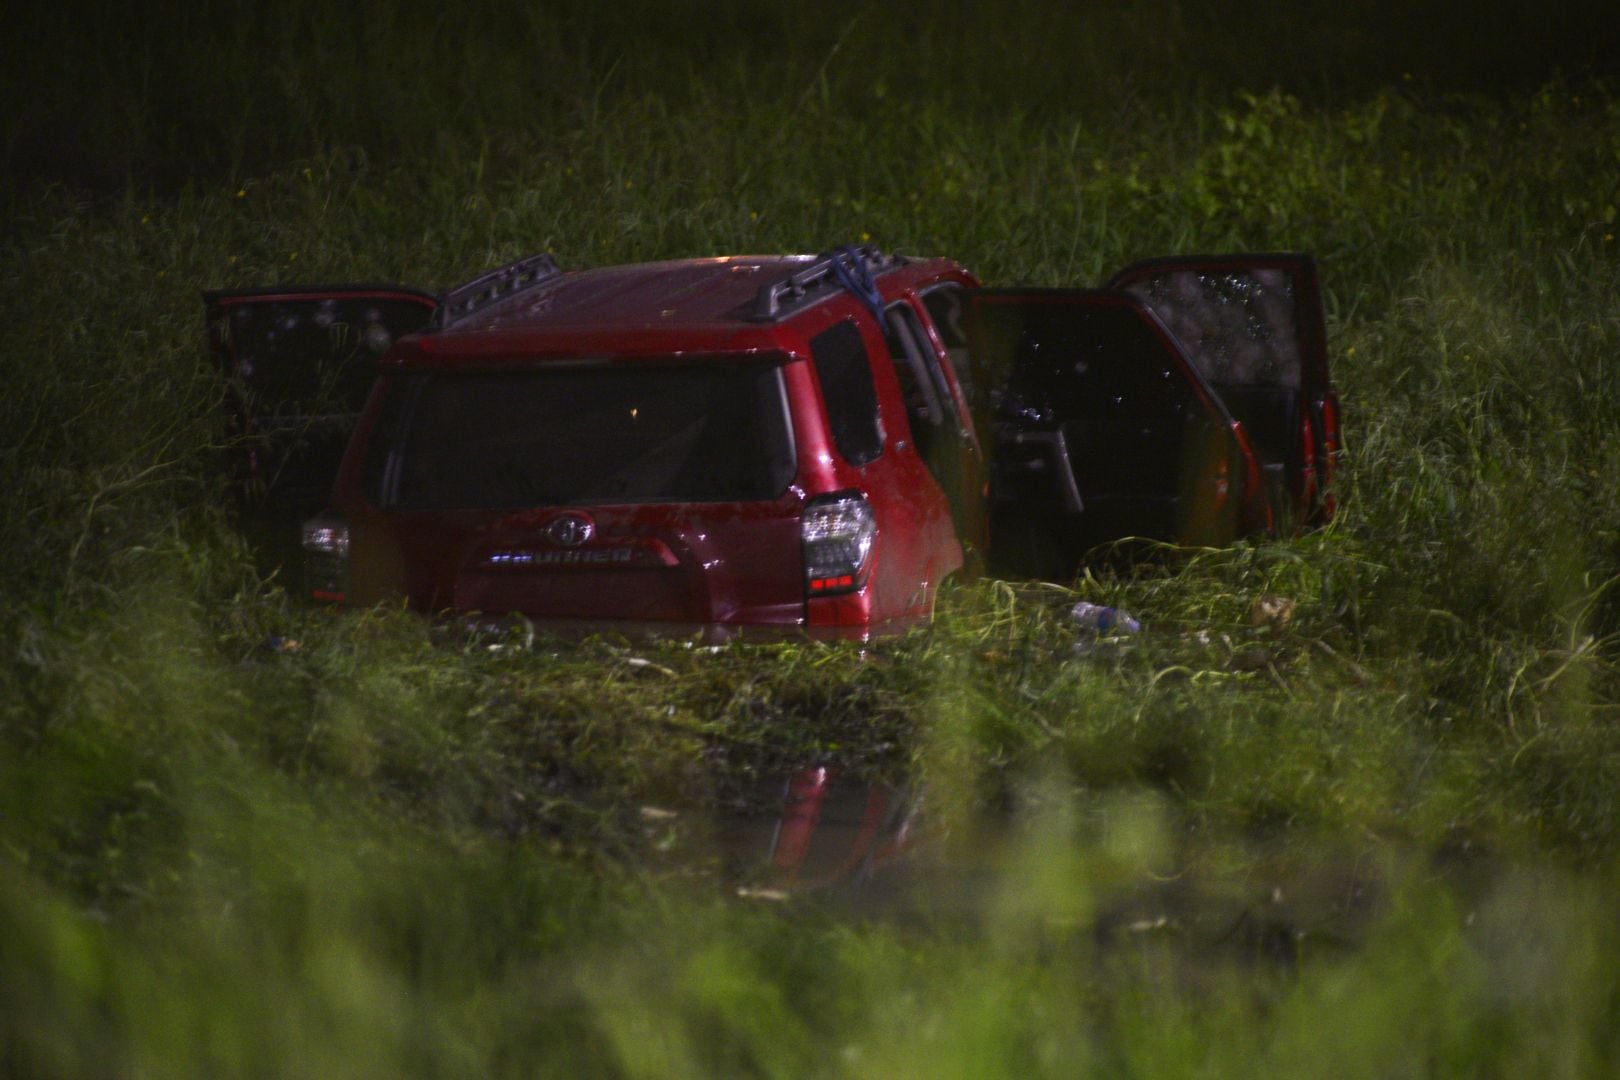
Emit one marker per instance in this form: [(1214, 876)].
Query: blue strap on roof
[(850, 268)]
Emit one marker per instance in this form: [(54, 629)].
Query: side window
[(1113, 384), (936, 428), (845, 373), (1239, 327), (946, 306), (1108, 362), (920, 383)]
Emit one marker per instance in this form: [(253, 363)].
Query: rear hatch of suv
[(650, 489)]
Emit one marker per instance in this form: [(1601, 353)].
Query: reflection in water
[(821, 832), (1102, 873)]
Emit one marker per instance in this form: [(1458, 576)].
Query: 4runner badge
[(570, 530)]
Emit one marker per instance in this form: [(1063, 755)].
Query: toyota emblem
[(570, 530)]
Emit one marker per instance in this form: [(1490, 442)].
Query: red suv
[(766, 442)]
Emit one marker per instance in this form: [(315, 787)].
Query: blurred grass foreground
[(1374, 835)]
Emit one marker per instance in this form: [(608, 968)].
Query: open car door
[(1104, 429), (1253, 326), (298, 363)]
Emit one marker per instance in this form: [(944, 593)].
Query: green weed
[(1373, 826)]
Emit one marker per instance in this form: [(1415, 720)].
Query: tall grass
[(227, 89), (1379, 833)]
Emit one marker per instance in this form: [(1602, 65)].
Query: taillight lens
[(1307, 462), (1330, 454), (327, 536), (1258, 514), (838, 533), (326, 559)]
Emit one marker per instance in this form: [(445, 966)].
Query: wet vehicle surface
[(779, 443)]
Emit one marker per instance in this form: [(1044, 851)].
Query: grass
[(1380, 834)]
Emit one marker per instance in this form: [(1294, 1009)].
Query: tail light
[(1307, 462), (326, 559), (1257, 507), (1330, 453), (838, 533)]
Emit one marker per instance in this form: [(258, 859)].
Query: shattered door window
[(1240, 327)]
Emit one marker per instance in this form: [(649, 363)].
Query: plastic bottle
[(1097, 619)]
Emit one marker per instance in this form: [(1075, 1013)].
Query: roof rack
[(482, 291), (815, 282)]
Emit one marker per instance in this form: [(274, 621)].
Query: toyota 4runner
[(783, 442)]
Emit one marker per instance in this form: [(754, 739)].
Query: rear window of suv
[(567, 434)]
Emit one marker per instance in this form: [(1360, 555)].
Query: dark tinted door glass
[(845, 374), (946, 310), (1103, 375), (936, 428), (920, 384)]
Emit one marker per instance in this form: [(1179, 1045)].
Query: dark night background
[(101, 96)]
